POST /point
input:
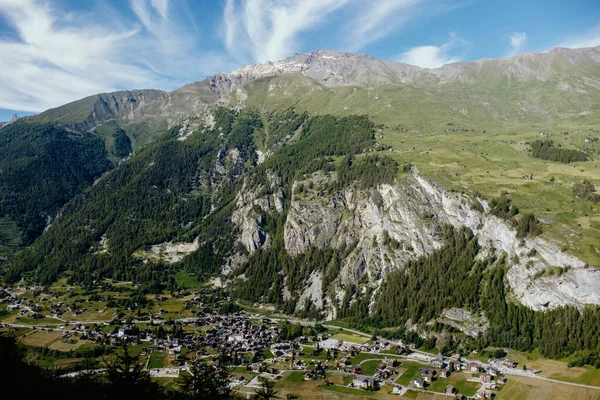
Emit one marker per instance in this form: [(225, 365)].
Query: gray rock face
[(247, 218), (412, 213)]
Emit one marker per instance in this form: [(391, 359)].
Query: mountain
[(333, 186)]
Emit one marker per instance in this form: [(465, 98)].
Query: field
[(158, 359), (296, 376), (557, 369), (408, 370), (352, 338), (40, 338), (533, 389), (459, 381)]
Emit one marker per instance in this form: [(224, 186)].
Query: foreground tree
[(266, 391), (206, 382)]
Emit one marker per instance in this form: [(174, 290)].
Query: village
[(253, 346)]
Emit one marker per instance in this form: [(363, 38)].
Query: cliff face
[(410, 213)]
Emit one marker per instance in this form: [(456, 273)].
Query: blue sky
[(54, 52)]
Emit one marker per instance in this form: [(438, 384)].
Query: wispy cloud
[(590, 38), (517, 41), (263, 30), (377, 19), (55, 56), (269, 30), (434, 56)]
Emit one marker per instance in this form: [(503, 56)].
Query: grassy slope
[(413, 121)]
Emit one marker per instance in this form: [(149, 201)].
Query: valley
[(340, 225)]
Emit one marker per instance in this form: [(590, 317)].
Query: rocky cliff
[(410, 214)]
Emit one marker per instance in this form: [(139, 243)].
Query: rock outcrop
[(411, 214)]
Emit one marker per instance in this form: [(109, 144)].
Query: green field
[(370, 367), (296, 376), (459, 381), (352, 338), (409, 370), (157, 360), (347, 390)]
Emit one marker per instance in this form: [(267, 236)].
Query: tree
[(205, 382), (292, 396), (266, 391), (127, 378)]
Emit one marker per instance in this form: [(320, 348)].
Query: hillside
[(330, 185)]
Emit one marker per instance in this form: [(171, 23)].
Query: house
[(237, 378), (501, 380), (308, 375), (449, 390), (344, 362), (453, 365), (509, 363), (444, 373), (397, 389), (356, 370), (493, 371), (473, 367), (363, 383), (428, 377), (485, 378), (418, 382), (436, 363)]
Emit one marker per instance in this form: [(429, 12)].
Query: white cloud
[(269, 30), (263, 30), (589, 39), (375, 20), (517, 42), (55, 57), (433, 56)]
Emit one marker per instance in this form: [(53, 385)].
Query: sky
[(56, 51)]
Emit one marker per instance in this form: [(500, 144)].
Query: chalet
[(428, 377), (485, 378), (363, 383), (418, 382), (449, 390), (444, 373), (391, 362), (453, 366), (356, 370), (344, 362), (509, 363), (436, 363), (237, 378), (473, 367)]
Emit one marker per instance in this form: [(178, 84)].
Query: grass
[(459, 381), (186, 281), (296, 376), (370, 367), (352, 338), (528, 388), (347, 390), (408, 370), (584, 375), (157, 360), (40, 338)]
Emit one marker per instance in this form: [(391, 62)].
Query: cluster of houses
[(439, 368)]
